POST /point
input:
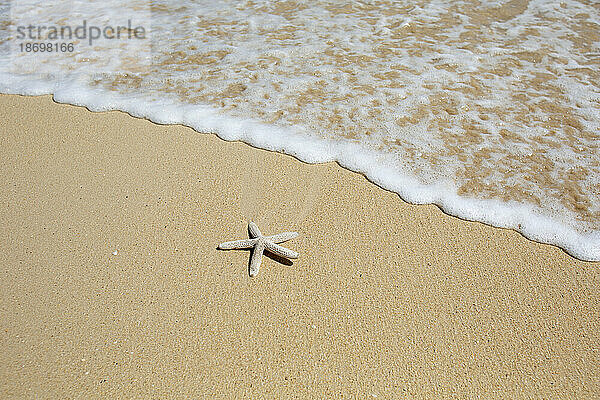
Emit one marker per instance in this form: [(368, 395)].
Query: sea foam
[(493, 116)]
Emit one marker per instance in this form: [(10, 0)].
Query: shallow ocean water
[(490, 109)]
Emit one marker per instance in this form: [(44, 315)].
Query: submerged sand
[(387, 299)]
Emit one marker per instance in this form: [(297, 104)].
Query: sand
[(387, 299)]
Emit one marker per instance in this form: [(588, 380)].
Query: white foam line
[(520, 217)]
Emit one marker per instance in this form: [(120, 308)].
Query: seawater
[(489, 109)]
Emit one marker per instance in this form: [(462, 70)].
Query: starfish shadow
[(278, 258), (272, 256)]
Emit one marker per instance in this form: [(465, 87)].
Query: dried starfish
[(261, 243)]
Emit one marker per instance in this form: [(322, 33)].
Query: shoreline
[(521, 217), (387, 298)]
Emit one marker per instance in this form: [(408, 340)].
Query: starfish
[(261, 243)]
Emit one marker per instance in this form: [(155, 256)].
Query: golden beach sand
[(387, 300)]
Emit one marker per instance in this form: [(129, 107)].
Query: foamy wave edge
[(519, 217)]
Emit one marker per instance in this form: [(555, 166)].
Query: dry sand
[(387, 299)]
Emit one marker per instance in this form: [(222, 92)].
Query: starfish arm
[(238, 244), (254, 231), (257, 254), (282, 237), (280, 250)]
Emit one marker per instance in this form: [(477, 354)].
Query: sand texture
[(387, 299)]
